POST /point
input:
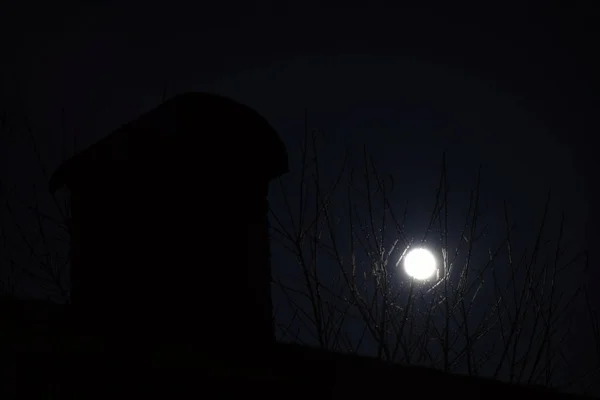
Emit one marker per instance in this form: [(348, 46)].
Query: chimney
[(169, 226)]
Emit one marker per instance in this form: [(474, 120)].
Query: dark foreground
[(44, 355)]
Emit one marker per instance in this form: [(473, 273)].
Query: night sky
[(512, 89)]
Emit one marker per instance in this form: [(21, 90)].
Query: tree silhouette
[(502, 308)]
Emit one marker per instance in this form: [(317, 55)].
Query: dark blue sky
[(513, 89), (486, 85)]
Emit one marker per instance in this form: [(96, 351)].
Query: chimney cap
[(186, 117)]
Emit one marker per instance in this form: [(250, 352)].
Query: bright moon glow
[(420, 264)]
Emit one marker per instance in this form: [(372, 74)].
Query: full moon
[(420, 264)]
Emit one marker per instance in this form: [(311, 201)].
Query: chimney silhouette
[(169, 226)]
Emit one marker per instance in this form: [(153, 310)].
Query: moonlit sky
[(506, 88)]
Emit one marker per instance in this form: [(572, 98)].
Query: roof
[(220, 124)]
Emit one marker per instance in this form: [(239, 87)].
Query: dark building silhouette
[(169, 226)]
